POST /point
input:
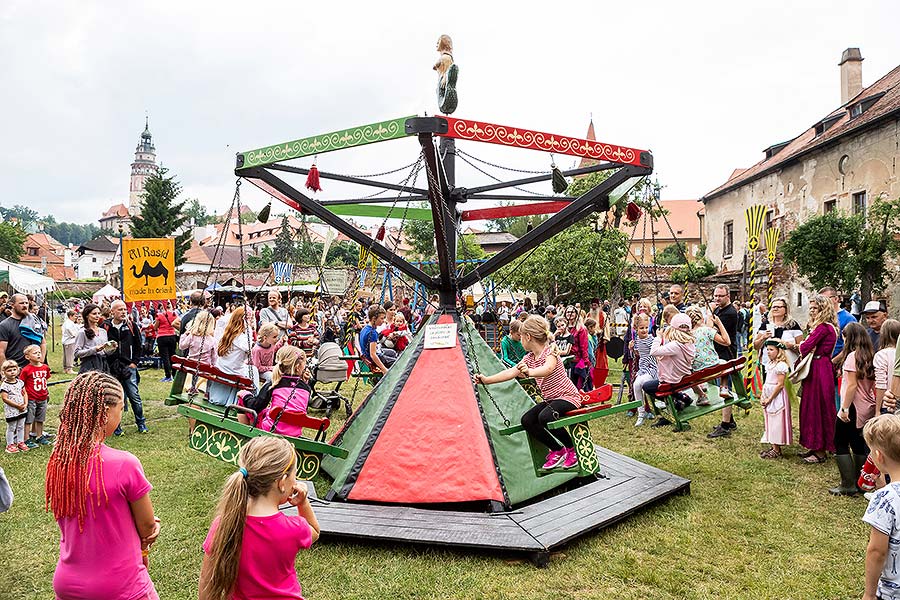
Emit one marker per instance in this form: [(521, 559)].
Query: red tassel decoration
[(380, 235), (312, 180), (633, 212)]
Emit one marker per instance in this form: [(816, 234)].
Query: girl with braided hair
[(251, 548), (100, 499)]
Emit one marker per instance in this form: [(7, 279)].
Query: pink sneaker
[(22, 447), (12, 449), (555, 458), (571, 459)]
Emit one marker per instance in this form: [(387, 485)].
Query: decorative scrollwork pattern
[(319, 144), (307, 464), (538, 140), (218, 443), (584, 447)]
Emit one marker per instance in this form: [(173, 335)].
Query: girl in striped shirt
[(646, 364), (560, 395)]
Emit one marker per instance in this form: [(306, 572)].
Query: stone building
[(844, 161)]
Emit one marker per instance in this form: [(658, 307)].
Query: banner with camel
[(148, 269)]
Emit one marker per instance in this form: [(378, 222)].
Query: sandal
[(770, 453), (805, 454), (812, 459)]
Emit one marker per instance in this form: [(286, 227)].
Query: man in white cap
[(876, 314), (550, 315)]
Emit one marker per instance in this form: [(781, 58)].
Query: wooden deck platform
[(535, 528)]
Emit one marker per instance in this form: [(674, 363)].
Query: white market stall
[(24, 280)]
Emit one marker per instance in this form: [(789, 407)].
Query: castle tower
[(143, 166)]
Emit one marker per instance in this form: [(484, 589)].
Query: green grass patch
[(750, 529)]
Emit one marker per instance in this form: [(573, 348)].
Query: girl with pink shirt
[(674, 353), (251, 546), (857, 407), (559, 393), (100, 499), (200, 343)]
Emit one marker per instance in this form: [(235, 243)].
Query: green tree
[(342, 254), (26, 217), (672, 255), (161, 213), (12, 241), (261, 261), (847, 252), (69, 233), (197, 213), (576, 264), (696, 269), (284, 250)]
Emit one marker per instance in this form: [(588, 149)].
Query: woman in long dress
[(817, 412)]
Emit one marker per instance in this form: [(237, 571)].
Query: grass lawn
[(749, 529)]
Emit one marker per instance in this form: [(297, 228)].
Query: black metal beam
[(595, 199), (438, 191), (375, 200), (538, 178), (306, 204), (344, 178)]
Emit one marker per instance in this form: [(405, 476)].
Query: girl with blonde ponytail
[(560, 395), (251, 546)]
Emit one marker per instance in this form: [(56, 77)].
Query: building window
[(859, 204), (728, 243), (637, 250), (799, 299), (830, 206), (32, 252)]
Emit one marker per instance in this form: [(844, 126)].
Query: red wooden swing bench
[(731, 369), (299, 419), (187, 366)]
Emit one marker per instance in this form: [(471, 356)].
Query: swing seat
[(367, 370), (730, 369), (299, 419), (186, 366), (595, 404)]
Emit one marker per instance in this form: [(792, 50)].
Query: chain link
[(497, 179), (477, 369), (490, 164)]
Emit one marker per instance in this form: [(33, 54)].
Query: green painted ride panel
[(371, 210), (241, 430), (326, 142)]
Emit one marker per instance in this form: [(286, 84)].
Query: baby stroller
[(329, 366)]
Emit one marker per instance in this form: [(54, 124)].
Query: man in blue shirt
[(843, 317), (368, 341)]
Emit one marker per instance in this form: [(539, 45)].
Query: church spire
[(143, 166)]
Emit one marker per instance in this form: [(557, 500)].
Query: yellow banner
[(148, 269)]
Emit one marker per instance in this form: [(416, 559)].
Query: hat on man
[(873, 306), (550, 309)]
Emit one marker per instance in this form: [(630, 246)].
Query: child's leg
[(555, 409), (20, 430), (29, 420), (638, 388), (531, 422), (11, 431)]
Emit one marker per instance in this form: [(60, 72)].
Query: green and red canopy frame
[(263, 168)]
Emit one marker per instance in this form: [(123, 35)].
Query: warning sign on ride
[(440, 336), (148, 269)]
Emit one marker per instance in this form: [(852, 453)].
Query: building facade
[(845, 161)]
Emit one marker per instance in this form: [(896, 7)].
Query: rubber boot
[(848, 472)]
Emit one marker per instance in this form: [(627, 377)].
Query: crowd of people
[(847, 397)]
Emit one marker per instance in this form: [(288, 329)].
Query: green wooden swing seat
[(595, 404), (731, 369), (219, 434)]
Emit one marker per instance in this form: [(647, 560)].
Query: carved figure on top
[(447, 74)]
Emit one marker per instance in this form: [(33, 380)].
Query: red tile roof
[(682, 216), (116, 210), (887, 106)]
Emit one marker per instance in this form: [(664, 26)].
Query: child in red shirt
[(35, 375), (397, 335)]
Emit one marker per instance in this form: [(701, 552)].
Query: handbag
[(801, 369)]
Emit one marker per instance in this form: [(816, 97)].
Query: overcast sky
[(705, 86)]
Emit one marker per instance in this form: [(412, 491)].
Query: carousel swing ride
[(428, 457)]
